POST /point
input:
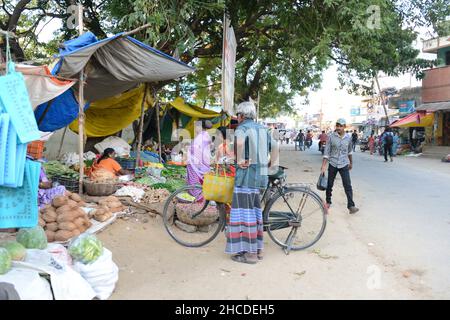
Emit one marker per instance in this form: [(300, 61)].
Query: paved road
[(405, 213), (396, 247)]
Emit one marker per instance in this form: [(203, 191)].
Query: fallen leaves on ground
[(323, 255), (300, 273)]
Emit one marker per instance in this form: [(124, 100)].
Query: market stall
[(46, 228)]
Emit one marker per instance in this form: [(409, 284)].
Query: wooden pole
[(61, 143), (141, 127), (81, 110), (159, 130)]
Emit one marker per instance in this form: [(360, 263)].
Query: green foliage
[(283, 46)]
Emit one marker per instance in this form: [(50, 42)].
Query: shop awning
[(435, 106), (415, 120)]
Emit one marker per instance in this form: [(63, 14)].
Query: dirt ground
[(339, 266)]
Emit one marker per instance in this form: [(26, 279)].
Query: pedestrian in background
[(395, 145), (388, 142), (301, 140), (338, 155), (372, 144), (354, 139)]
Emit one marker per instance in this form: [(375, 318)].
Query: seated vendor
[(46, 191), (107, 162)]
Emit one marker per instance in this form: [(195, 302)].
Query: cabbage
[(5, 261), (32, 238), (86, 249), (15, 249)]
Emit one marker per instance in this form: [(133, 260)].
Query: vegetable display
[(174, 171), (56, 169), (64, 218), (86, 249), (32, 238), (5, 261), (16, 250), (150, 180)]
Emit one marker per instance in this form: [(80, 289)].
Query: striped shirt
[(338, 149)]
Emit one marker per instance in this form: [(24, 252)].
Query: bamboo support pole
[(81, 110), (159, 131), (141, 126)]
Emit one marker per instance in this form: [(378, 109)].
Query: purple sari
[(198, 161), (45, 196)]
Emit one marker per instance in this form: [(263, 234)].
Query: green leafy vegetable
[(56, 169), (5, 261), (86, 249), (16, 250), (32, 238)]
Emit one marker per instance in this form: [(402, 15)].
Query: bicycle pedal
[(295, 223)]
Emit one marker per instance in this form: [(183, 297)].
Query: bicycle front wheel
[(296, 218), (189, 219)]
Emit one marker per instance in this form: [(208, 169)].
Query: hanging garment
[(18, 206), (14, 100)]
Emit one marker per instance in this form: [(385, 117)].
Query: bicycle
[(286, 215)]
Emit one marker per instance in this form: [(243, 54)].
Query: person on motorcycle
[(309, 137), (322, 139)]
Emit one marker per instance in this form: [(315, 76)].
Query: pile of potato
[(64, 219), (106, 209)]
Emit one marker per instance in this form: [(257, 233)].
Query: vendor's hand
[(350, 166), (323, 169)]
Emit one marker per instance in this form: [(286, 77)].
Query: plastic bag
[(28, 284), (86, 248), (102, 275), (322, 183)]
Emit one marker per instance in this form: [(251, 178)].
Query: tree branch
[(14, 18), (4, 8), (339, 61)]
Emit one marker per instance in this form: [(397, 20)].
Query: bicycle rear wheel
[(191, 221), (296, 218)]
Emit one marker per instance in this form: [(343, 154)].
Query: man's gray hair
[(247, 109)]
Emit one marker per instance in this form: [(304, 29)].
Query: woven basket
[(99, 189), (207, 217)]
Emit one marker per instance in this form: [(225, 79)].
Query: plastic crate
[(71, 184), (35, 149), (127, 164)]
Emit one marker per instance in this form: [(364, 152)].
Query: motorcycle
[(308, 143), (364, 145), (322, 147)]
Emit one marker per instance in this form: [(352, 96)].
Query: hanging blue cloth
[(19, 206)]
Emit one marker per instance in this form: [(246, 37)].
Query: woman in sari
[(106, 166), (372, 144), (46, 192), (199, 158)]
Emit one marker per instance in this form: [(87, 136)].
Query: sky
[(337, 103)]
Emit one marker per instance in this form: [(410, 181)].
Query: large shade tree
[(283, 46)]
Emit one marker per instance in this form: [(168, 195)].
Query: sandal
[(260, 255), (243, 259)]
